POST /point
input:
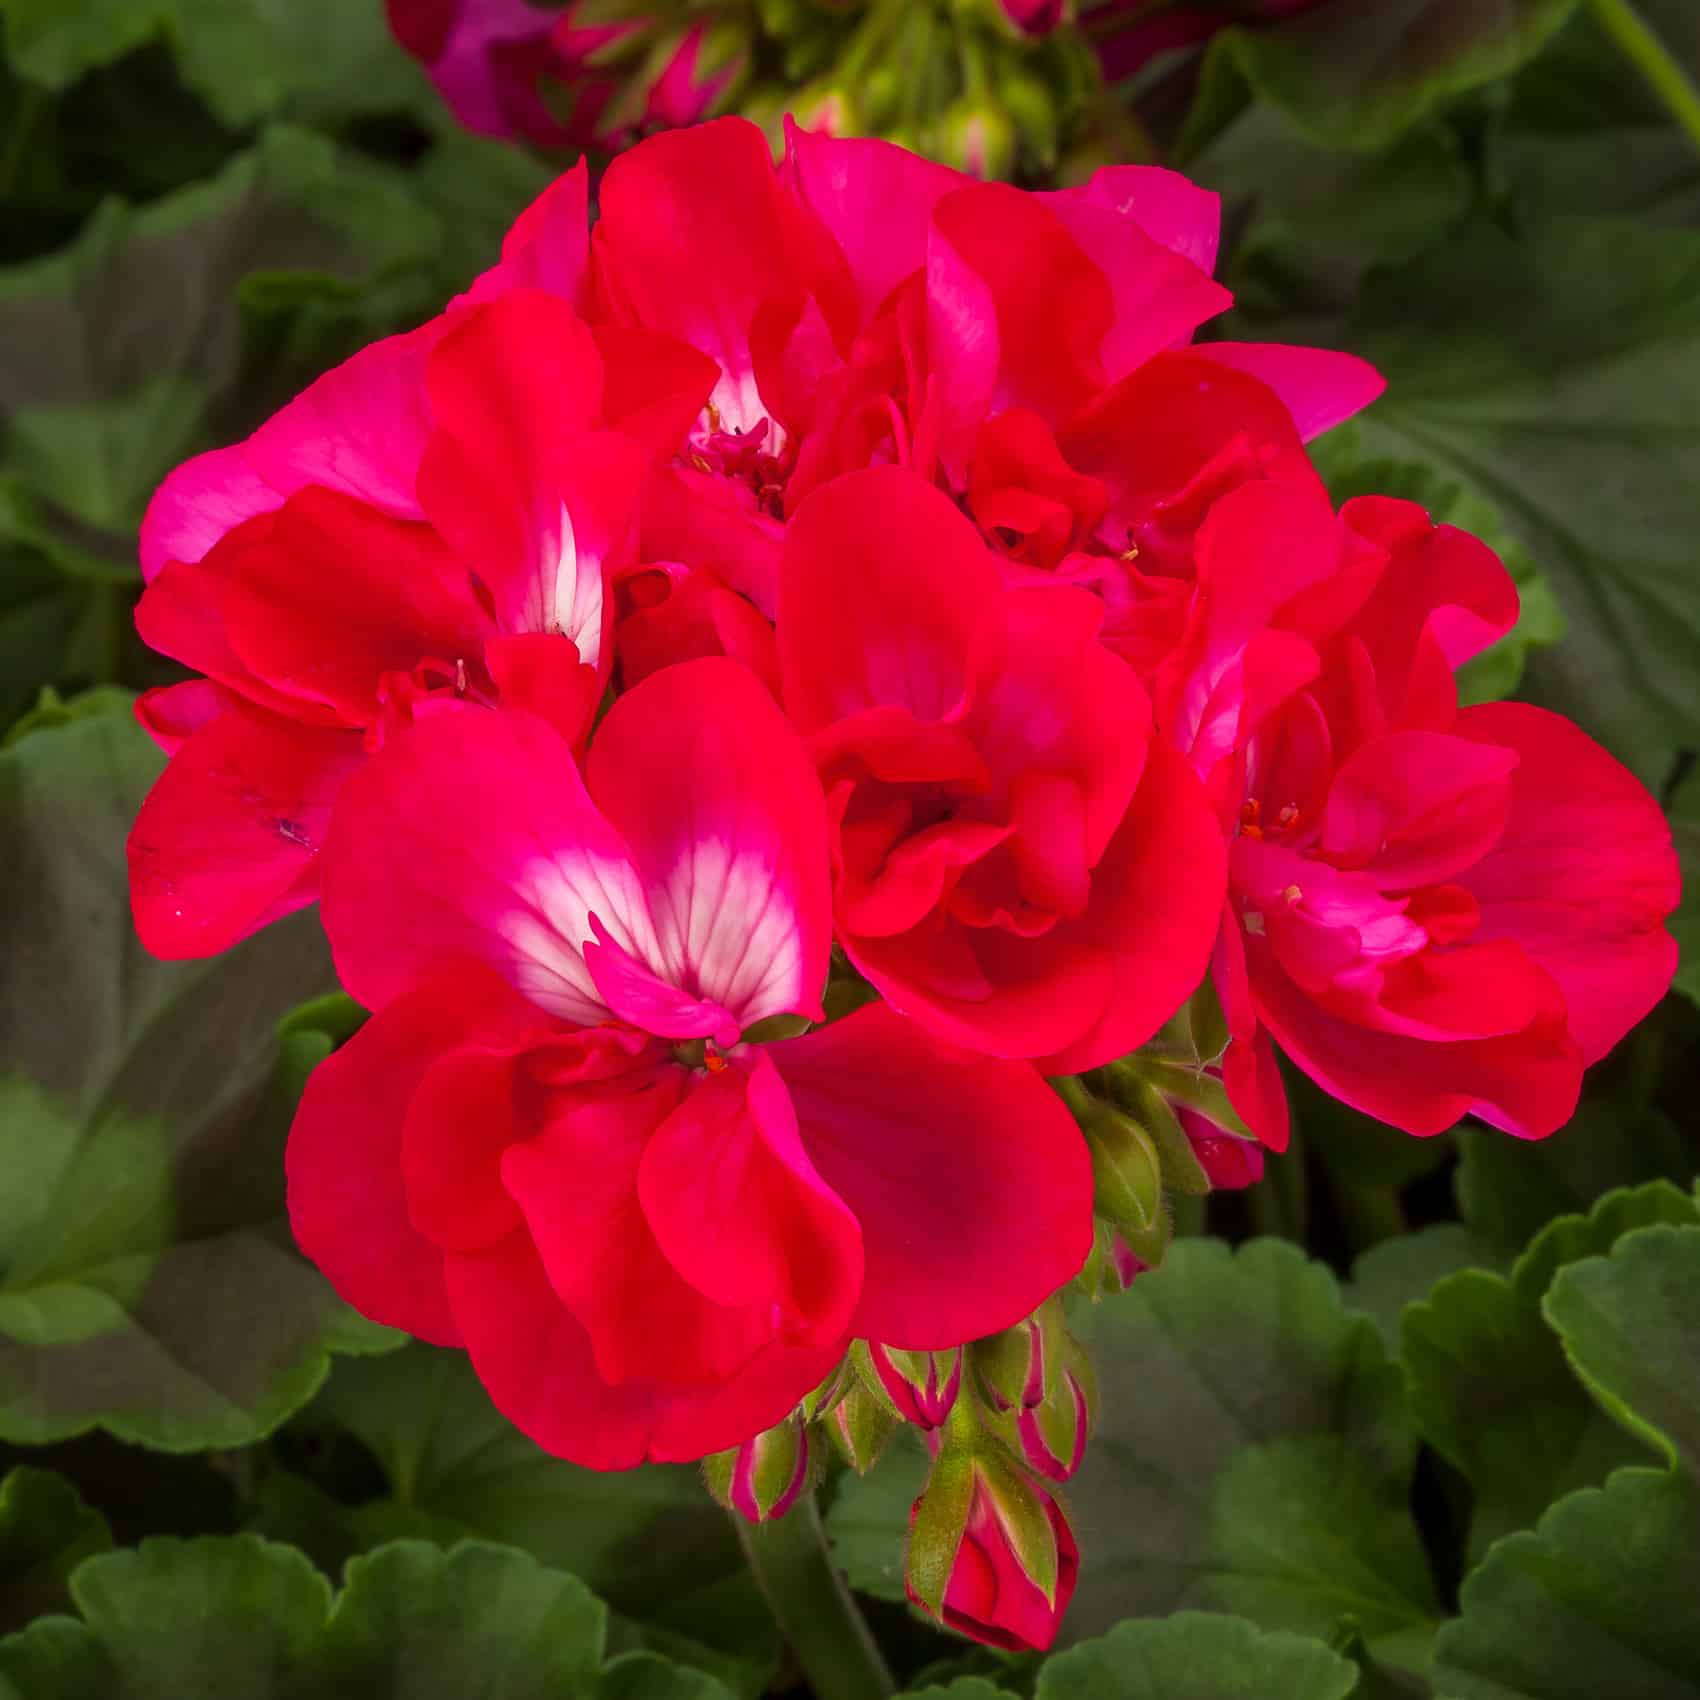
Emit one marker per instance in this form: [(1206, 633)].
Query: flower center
[(762, 458)]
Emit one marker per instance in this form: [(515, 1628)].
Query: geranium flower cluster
[(757, 688)]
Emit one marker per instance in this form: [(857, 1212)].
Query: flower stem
[(818, 1617), (1639, 44)]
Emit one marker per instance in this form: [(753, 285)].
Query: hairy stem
[(816, 1613), (1639, 44)]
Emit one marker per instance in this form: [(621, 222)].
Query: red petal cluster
[(959, 615)]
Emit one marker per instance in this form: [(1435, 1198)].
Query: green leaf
[(964, 1688), (1684, 814), (1252, 1455), (1554, 374), (1401, 1270), (311, 59), (1197, 1656), (120, 352), (649, 1541), (647, 1676), (1582, 131), (1490, 1385), (1631, 1326), (1597, 1602), (479, 1619), (1354, 76), (146, 1283), (240, 1618), (45, 1532), (1311, 221)]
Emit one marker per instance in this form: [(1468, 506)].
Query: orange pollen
[(1251, 816), (1292, 894), (1288, 817), (712, 1059)]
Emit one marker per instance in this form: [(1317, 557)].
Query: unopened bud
[(1127, 1171), (1127, 1262), (922, 1386), (1230, 1163), (859, 1426), (978, 136), (1053, 1433), (762, 1479), (991, 1553), (1010, 1368)]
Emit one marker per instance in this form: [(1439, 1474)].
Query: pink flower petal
[(347, 1203), (1156, 905), (229, 837), (1584, 875), (543, 508), (875, 198), (360, 429), (970, 1181), (702, 776), (536, 1362), (741, 1212), (1319, 387), (471, 836), (548, 246), (863, 623), (1172, 210)]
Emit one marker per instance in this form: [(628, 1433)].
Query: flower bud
[(1010, 1368), (991, 1553), (1127, 1172), (1230, 1161), (922, 1385), (762, 1478), (977, 136), (1053, 1433), (1127, 1262), (859, 1426)]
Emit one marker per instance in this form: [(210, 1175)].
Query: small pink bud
[(1126, 1262), (1053, 1434), (922, 1385), (762, 1478)]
